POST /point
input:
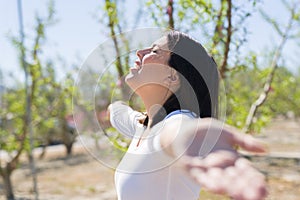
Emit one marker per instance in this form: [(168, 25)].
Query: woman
[(179, 145)]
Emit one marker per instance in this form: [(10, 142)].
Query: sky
[(77, 31)]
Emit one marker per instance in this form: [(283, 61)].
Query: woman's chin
[(132, 73), (129, 80), (129, 77)]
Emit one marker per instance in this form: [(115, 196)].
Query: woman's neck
[(153, 99), (153, 104), (152, 108)]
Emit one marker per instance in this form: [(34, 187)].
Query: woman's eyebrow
[(159, 47), (154, 45)]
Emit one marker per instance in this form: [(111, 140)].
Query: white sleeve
[(124, 119)]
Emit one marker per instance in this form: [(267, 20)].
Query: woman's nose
[(140, 54)]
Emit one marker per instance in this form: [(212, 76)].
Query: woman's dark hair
[(198, 91)]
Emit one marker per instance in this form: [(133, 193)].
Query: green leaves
[(49, 100), (243, 87), (111, 9)]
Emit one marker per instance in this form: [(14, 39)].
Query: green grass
[(210, 196)]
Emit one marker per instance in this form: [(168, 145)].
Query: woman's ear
[(173, 80), (174, 77)]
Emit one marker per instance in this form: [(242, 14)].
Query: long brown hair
[(199, 79)]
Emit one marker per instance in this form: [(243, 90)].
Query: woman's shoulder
[(180, 113), (177, 119)]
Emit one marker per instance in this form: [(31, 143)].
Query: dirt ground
[(82, 177)]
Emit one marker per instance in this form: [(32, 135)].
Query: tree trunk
[(267, 85), (6, 175), (42, 155), (69, 148)]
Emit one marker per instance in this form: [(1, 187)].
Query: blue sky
[(78, 32)]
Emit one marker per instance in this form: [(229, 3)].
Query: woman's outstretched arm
[(123, 118), (206, 149)]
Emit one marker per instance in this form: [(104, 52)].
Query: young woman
[(179, 145)]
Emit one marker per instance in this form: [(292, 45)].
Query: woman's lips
[(134, 70), (137, 64), (136, 67)]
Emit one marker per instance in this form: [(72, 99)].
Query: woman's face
[(151, 70)]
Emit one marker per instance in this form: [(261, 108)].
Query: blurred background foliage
[(247, 77)]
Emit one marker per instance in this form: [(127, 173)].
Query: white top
[(146, 171)]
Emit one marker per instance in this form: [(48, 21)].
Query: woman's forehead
[(161, 42)]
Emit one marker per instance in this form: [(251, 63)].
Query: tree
[(46, 100), (111, 83), (16, 127), (13, 136), (57, 124), (284, 94), (285, 34)]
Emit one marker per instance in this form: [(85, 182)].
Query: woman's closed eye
[(155, 50)]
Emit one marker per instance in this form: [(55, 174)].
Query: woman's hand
[(224, 172), (207, 151)]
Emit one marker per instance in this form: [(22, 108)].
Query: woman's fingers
[(226, 136), (220, 159), (222, 170), (235, 137), (251, 183), (209, 171), (225, 172), (247, 142), (239, 181)]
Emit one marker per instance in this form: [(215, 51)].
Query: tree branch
[(112, 16), (266, 89), (223, 67), (218, 27), (170, 14)]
